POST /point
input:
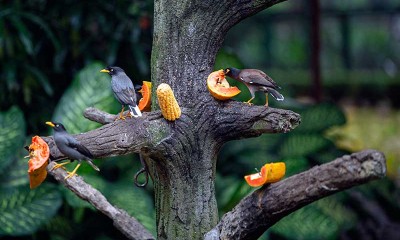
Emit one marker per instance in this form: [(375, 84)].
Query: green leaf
[(295, 165), (41, 77), (12, 135), (90, 88), (321, 117), (226, 58), (298, 145), (24, 35), (136, 201), (230, 190), (43, 26), (23, 211), (15, 174), (323, 219)]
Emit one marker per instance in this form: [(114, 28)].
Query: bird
[(255, 80), (71, 148), (123, 90)]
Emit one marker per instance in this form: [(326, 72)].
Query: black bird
[(124, 91), (71, 148), (255, 80)]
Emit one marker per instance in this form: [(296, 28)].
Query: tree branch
[(128, 225), (119, 137), (264, 207), (239, 120)]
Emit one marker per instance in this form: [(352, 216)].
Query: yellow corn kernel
[(168, 104)]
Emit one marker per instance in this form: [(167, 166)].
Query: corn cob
[(168, 104)]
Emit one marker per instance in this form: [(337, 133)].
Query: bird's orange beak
[(50, 124), (104, 71)]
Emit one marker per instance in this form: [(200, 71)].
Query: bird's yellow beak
[(50, 124), (105, 70)]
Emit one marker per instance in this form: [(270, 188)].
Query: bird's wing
[(125, 91), (72, 142), (260, 72), (259, 80)]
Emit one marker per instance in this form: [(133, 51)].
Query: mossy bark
[(187, 37)]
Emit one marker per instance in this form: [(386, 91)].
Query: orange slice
[(145, 101), (219, 86), (270, 173)]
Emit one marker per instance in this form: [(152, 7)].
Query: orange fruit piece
[(39, 153), (219, 87), (270, 173), (145, 101)]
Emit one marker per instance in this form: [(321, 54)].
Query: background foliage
[(51, 53)]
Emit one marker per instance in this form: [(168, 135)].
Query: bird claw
[(249, 103), (129, 115), (70, 175), (121, 117), (59, 165)]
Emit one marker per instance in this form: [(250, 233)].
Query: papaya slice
[(39, 153), (145, 101), (219, 87), (270, 173)]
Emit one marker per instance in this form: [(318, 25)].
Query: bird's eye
[(57, 125), (112, 70)]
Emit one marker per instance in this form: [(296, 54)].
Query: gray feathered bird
[(124, 91), (255, 80), (71, 148)]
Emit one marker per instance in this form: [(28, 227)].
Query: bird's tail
[(135, 111), (88, 160), (276, 94)]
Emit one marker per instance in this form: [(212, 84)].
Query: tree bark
[(187, 37)]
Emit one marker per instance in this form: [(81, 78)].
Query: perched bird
[(124, 91), (71, 148), (255, 80)]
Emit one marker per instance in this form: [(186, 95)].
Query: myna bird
[(71, 148), (124, 91), (255, 80)]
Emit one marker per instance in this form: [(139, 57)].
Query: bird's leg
[(129, 114), (121, 115), (60, 165), (249, 101), (73, 173), (266, 100)]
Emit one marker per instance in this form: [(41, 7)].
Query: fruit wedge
[(219, 87), (270, 173)]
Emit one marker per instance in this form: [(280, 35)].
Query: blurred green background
[(51, 53)]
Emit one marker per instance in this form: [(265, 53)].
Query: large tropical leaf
[(295, 165), (321, 117), (297, 145), (229, 191), (15, 174), (323, 219), (23, 210), (12, 135), (136, 201), (90, 88)]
